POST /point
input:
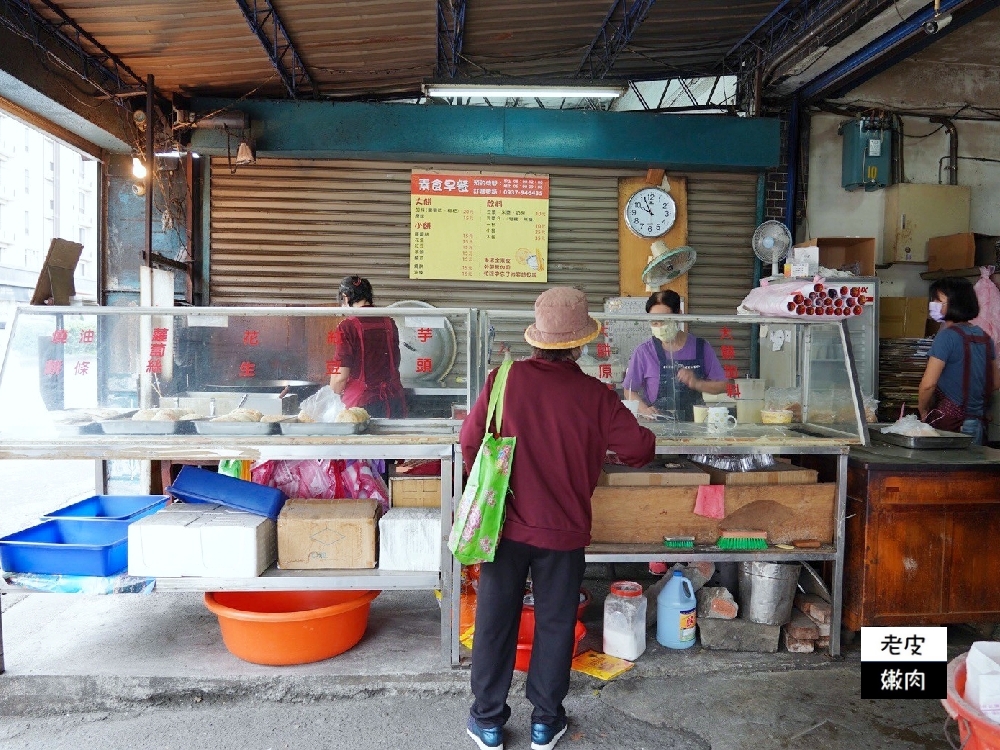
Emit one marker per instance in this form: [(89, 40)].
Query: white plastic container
[(625, 621)]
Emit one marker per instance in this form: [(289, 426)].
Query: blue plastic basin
[(111, 507), (67, 547)]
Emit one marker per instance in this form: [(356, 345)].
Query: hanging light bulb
[(138, 168)]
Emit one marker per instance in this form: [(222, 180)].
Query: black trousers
[(556, 579)]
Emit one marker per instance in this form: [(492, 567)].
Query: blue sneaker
[(545, 736), (487, 738)]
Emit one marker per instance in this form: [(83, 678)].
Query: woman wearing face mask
[(368, 354), (962, 369), (668, 373)]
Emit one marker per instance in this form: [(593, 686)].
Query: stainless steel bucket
[(767, 591)]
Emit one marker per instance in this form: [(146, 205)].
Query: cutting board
[(663, 472), (780, 473)]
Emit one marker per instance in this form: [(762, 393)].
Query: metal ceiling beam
[(451, 35), (894, 46), (103, 70), (265, 23), (619, 26)]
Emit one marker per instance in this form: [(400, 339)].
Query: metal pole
[(1, 639), (147, 254), (792, 152)]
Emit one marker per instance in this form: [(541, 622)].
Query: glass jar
[(625, 621)]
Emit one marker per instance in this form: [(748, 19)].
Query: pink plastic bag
[(324, 478), (989, 305)]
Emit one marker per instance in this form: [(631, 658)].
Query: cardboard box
[(201, 539), (415, 492), (644, 515), (322, 534), (410, 539), (670, 472), (961, 251), (902, 317), (835, 252)]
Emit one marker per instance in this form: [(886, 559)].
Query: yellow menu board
[(482, 227)]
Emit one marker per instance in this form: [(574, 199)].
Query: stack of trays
[(901, 366)]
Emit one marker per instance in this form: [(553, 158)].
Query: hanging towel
[(711, 501)]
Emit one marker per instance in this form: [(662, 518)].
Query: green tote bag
[(480, 514)]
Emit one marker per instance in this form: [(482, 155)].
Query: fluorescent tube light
[(526, 91)]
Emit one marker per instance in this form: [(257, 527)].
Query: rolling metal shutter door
[(722, 215), (285, 231)]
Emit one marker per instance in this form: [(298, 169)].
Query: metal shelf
[(274, 579), (658, 553)]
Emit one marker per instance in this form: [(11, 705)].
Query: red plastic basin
[(523, 658)]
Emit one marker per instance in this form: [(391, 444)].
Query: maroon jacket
[(565, 421)]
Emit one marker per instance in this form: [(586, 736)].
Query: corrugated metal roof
[(355, 48)]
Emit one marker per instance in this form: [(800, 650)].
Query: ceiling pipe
[(821, 27), (952, 147)]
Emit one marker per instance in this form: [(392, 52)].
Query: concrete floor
[(151, 671)]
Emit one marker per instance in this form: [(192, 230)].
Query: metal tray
[(943, 441), (322, 428), (208, 427), (144, 427), (84, 428)]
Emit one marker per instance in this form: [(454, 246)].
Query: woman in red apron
[(368, 350)]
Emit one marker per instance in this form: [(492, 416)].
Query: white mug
[(719, 419)]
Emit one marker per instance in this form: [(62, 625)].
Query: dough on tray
[(354, 414), (163, 415), (240, 415)]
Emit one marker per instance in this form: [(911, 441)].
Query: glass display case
[(817, 403), (131, 371)]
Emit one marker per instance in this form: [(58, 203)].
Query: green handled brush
[(679, 542), (742, 540)]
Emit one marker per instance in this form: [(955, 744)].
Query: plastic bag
[(326, 479), (323, 406), (911, 426), (871, 408), (989, 305)]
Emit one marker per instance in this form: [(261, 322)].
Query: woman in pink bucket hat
[(565, 422)]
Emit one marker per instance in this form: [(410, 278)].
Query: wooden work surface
[(198, 447)]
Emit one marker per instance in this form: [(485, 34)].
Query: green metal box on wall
[(867, 154)]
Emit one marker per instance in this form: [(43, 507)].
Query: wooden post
[(634, 252)]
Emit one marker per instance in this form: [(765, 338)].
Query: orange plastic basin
[(290, 627), (523, 658)]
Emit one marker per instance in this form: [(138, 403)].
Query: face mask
[(665, 331), (934, 311)]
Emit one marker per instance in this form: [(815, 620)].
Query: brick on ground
[(814, 606), (823, 642), (802, 628), (739, 635), (798, 645), (717, 602)]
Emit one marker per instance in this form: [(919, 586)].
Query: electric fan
[(667, 265), (771, 243)]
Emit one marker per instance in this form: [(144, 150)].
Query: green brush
[(742, 540), (678, 542)]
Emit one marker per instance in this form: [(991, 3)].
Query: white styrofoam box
[(194, 539), (410, 539)]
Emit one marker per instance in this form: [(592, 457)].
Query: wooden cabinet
[(923, 546)]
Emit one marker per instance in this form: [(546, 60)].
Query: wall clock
[(650, 212)]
